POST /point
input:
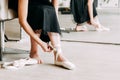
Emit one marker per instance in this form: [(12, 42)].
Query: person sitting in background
[(84, 11)]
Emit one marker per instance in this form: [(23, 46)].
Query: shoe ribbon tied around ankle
[(66, 64)]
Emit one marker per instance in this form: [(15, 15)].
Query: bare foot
[(36, 56), (80, 28)]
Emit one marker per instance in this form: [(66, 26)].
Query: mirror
[(109, 16)]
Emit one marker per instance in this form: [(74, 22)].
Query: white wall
[(108, 4), (101, 3)]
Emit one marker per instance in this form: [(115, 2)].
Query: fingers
[(46, 47), (49, 47)]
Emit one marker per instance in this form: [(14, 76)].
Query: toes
[(40, 61)]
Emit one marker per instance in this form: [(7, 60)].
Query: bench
[(8, 11)]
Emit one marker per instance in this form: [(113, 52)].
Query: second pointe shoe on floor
[(102, 28), (66, 64), (18, 64)]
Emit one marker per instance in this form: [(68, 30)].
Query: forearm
[(90, 9), (55, 4), (30, 32), (22, 13)]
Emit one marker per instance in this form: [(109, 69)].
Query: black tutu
[(79, 10), (42, 15)]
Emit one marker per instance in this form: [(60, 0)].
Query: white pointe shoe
[(66, 64), (101, 28)]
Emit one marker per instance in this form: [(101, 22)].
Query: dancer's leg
[(56, 43), (60, 60), (34, 48)]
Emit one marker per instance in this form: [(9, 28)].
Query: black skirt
[(42, 15), (79, 10)]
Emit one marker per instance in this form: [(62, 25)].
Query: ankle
[(59, 58), (33, 55)]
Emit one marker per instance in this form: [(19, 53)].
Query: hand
[(46, 47), (92, 22)]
